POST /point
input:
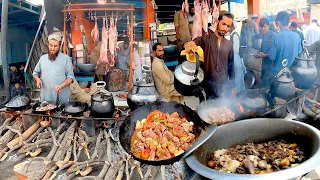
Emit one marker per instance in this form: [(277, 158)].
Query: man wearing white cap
[(53, 73), (312, 32)]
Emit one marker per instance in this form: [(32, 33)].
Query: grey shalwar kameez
[(54, 73)]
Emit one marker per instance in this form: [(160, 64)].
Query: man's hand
[(58, 88), (39, 83), (234, 92)]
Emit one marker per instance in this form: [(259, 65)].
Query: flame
[(105, 125), (241, 107)]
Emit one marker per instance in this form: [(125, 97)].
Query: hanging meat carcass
[(103, 59), (95, 32), (197, 24), (112, 40), (204, 17), (185, 8), (116, 32), (215, 16)]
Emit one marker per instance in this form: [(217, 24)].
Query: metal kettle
[(188, 76), (143, 90), (304, 70), (102, 102), (283, 85)]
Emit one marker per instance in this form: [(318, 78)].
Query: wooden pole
[(131, 49), (64, 33), (4, 29)]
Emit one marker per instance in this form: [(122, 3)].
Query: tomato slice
[(145, 154)]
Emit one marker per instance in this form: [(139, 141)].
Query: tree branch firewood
[(95, 152), (5, 123), (67, 140), (113, 170), (17, 131), (103, 171), (25, 135), (9, 135), (75, 157), (55, 148), (55, 142), (20, 145)]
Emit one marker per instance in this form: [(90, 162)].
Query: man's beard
[(53, 57), (160, 57)]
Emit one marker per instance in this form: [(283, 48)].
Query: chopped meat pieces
[(253, 158)]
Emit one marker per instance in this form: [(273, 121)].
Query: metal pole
[(131, 50), (4, 29), (229, 6)]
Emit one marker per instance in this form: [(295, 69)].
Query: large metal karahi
[(259, 130), (143, 90)]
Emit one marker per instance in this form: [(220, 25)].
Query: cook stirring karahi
[(53, 73), (218, 64)]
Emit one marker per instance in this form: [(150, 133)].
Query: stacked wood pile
[(67, 152)]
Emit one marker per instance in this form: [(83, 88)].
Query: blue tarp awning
[(236, 1)]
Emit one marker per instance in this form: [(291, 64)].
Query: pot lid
[(100, 96), (285, 77), (18, 101), (188, 68)]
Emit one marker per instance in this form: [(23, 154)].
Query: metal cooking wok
[(128, 127), (74, 108), (259, 130), (38, 104), (209, 105), (18, 103)]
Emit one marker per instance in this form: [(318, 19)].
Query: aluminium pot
[(259, 130)]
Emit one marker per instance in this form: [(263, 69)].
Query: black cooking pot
[(128, 127), (102, 105), (18, 103), (187, 77), (74, 108)]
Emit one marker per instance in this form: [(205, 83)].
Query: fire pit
[(259, 130)]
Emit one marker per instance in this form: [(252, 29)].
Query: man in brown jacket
[(163, 77)]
